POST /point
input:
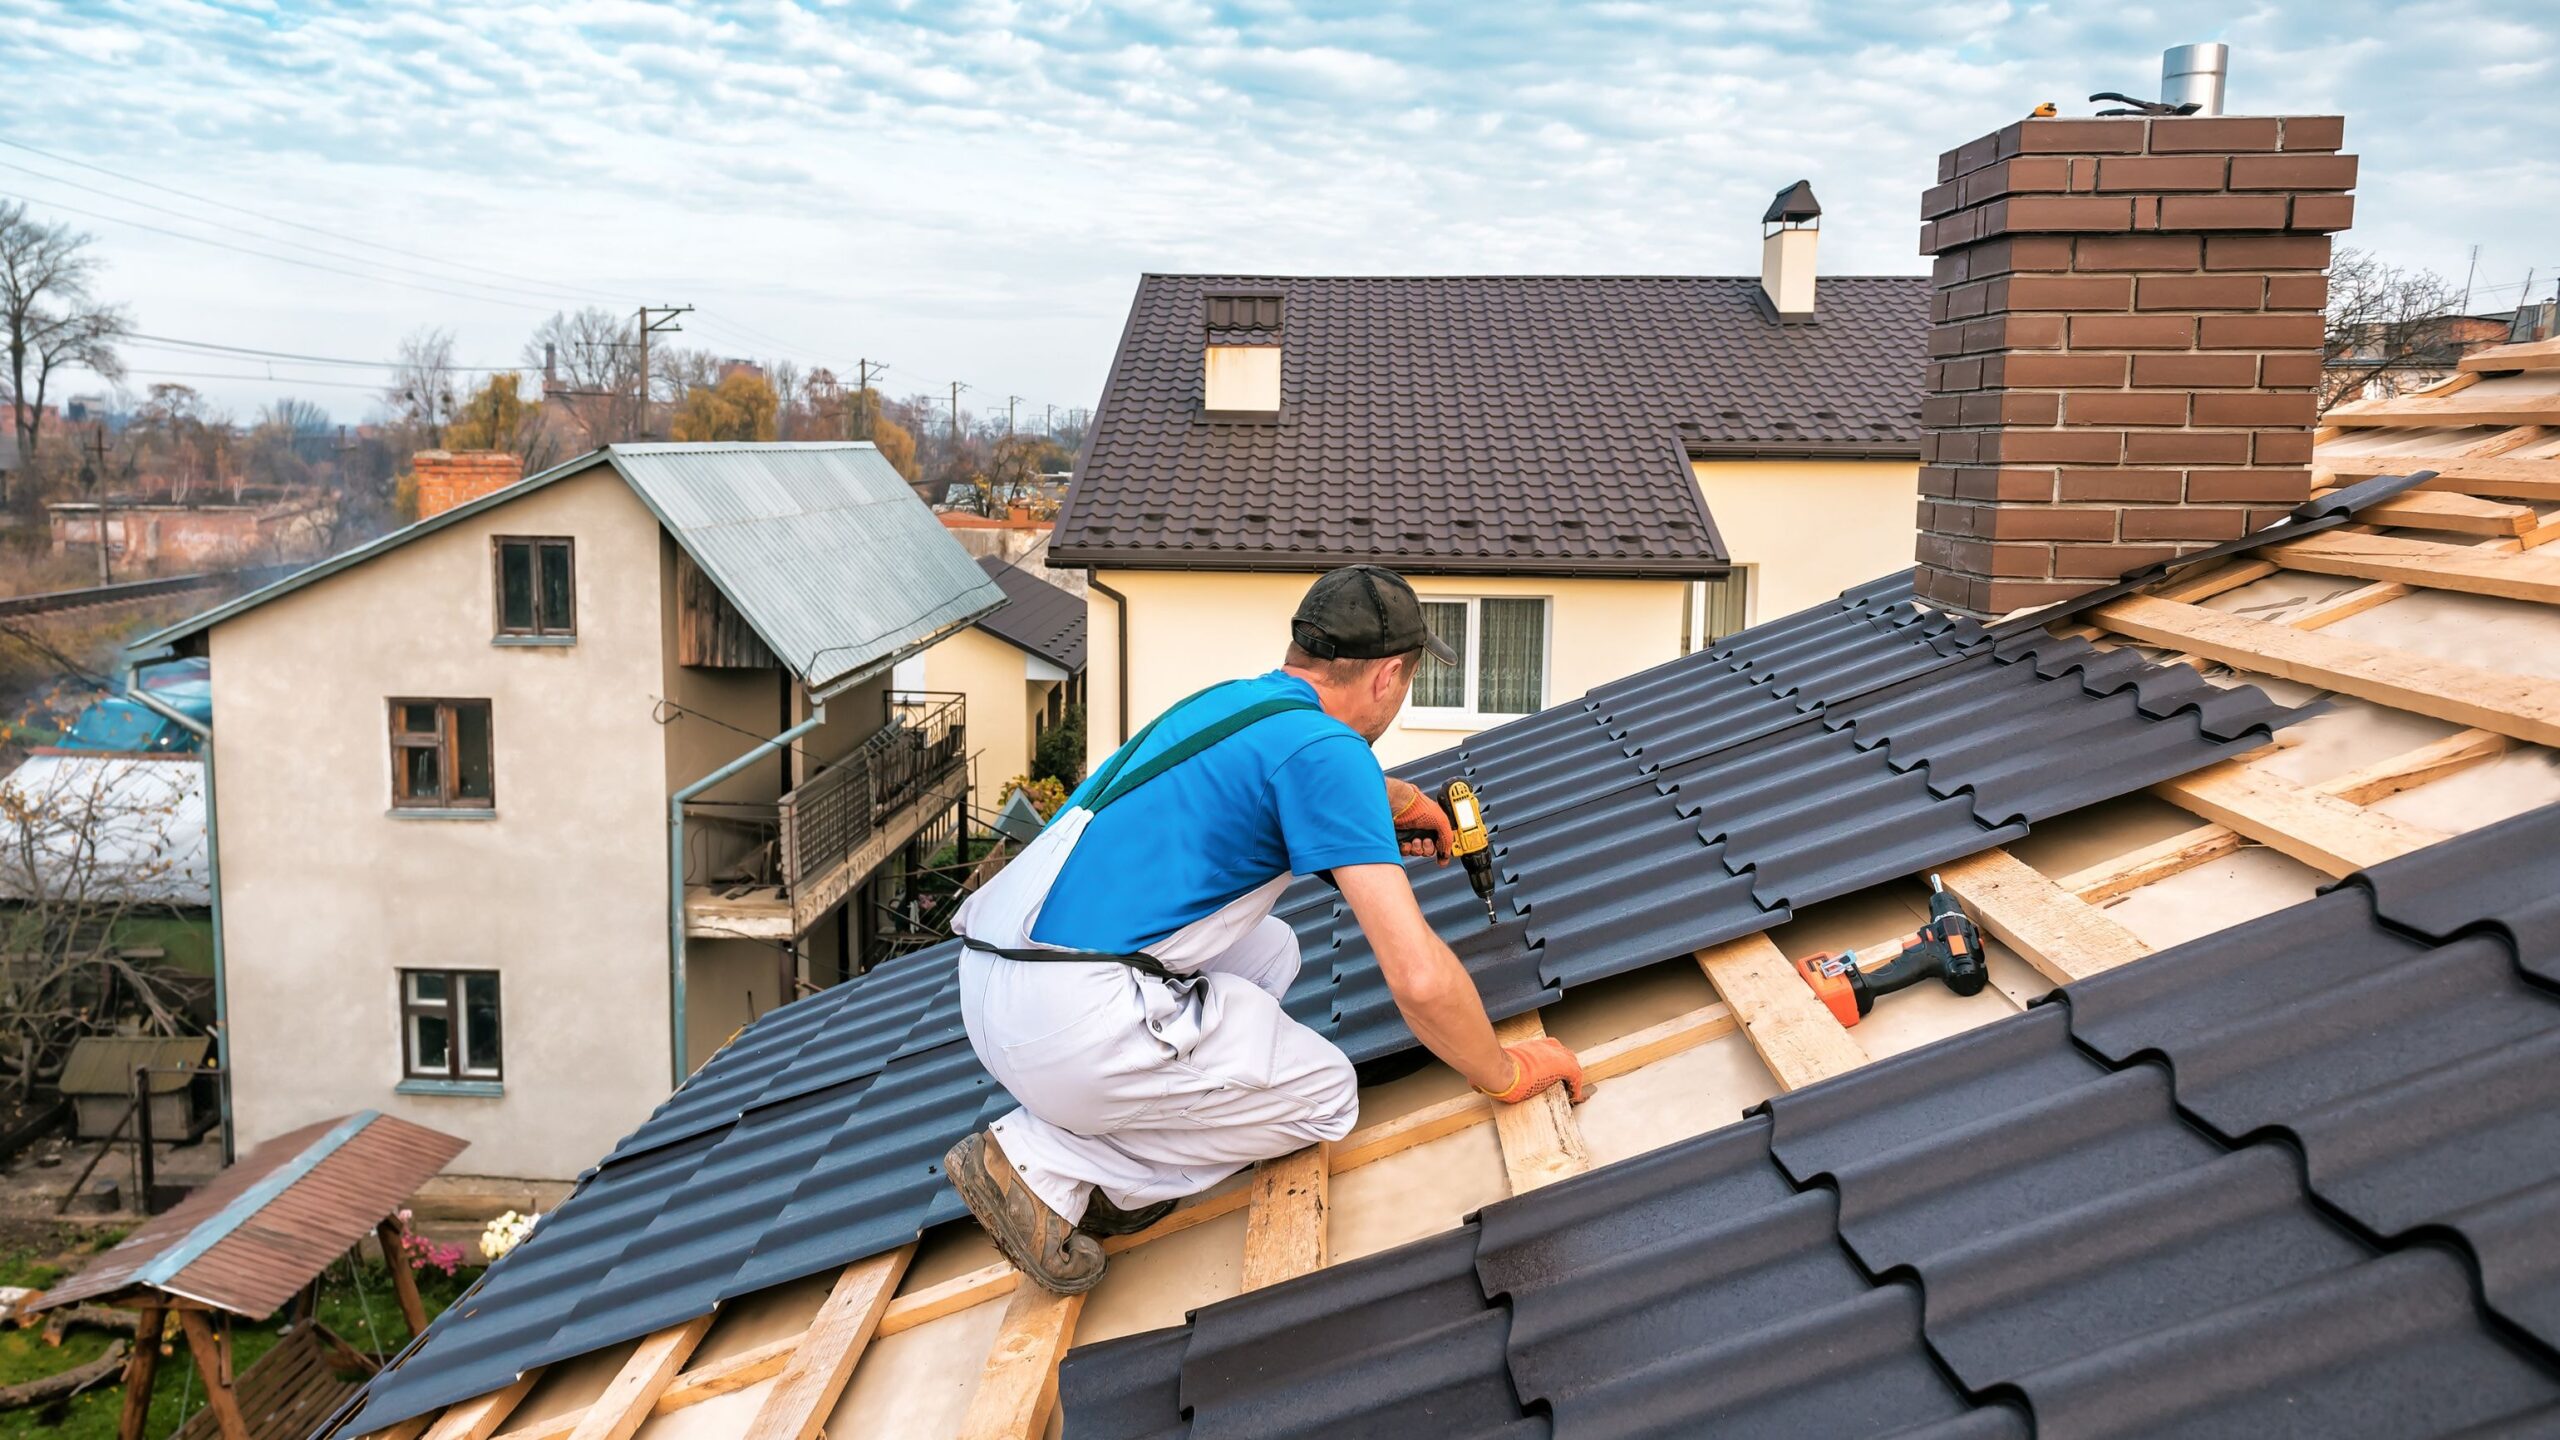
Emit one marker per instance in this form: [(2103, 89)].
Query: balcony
[(770, 872)]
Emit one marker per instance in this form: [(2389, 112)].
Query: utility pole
[(1049, 420), (2470, 273), (94, 471), (956, 388), (665, 321), (862, 394), (1010, 401)]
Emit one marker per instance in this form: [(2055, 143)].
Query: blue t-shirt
[(1295, 792)]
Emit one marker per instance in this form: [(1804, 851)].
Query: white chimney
[(1240, 365), (1788, 233)]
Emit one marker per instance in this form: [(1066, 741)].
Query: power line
[(282, 259), (296, 224), (271, 379), (149, 341)]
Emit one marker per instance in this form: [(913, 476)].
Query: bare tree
[(49, 317), (422, 389), (589, 362), (87, 845), (2386, 326)]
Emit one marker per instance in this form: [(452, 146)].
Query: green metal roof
[(822, 546)]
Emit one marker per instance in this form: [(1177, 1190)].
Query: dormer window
[(1240, 358)]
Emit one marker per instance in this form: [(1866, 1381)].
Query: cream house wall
[(562, 890), (992, 674), (1809, 529), (1191, 628)]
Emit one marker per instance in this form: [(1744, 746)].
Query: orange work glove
[(1412, 810), (1538, 1065)]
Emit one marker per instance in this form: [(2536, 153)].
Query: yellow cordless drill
[(1472, 847)]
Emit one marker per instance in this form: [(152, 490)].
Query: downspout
[(1120, 609), (213, 884), (675, 872)]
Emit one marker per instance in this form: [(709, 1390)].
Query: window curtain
[(1436, 685), (1511, 678)]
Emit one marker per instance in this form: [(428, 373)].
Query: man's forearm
[(1434, 993)]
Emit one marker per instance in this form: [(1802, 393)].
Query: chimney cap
[(1794, 203)]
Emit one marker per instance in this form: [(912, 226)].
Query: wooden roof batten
[(2483, 543)]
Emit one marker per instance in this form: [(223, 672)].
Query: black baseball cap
[(1364, 612)]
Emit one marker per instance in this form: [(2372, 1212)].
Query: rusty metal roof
[(270, 1224)]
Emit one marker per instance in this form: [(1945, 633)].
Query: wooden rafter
[(2427, 564), (2057, 932), (1020, 1383), (1797, 1037), (819, 1366), (2524, 706), (1285, 1221), (2328, 833), (479, 1419), (1541, 1140), (634, 1389)]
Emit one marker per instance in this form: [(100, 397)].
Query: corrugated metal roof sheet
[(265, 1227), (1507, 424), (121, 828), (1624, 836), (2239, 1189), (823, 547), (104, 1064)]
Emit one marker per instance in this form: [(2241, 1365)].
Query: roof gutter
[(1314, 564), (675, 874), (1120, 646), (213, 884)]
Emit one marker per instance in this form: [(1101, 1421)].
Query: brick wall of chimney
[(447, 478), (2126, 336)]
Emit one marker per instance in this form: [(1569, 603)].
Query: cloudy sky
[(968, 190)]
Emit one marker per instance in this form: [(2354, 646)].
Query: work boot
[(1039, 1241), (1104, 1219)]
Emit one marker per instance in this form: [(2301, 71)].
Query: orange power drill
[(1948, 947)]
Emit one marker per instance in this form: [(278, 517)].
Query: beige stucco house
[(1020, 668), (1582, 476), (457, 786)]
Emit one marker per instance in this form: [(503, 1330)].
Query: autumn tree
[(50, 318), (740, 407), (2386, 325), (498, 417), (174, 433), (288, 445)]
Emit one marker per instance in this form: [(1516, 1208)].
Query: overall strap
[(1114, 785)]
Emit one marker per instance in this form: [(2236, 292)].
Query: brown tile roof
[(1523, 424), (1037, 616)]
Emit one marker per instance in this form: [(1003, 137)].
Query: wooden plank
[(2515, 479), (1796, 1035), (628, 1398), (140, 1366), (1285, 1224), (480, 1418), (2529, 355), (950, 1297), (2330, 834), (2057, 932), (2424, 509), (708, 1382), (2361, 786), (2433, 565), (2354, 602), (798, 1403), (404, 1281), (2524, 706), (2466, 406), (2214, 580), (211, 1369), (1541, 1140), (1637, 1049), (1020, 1383)]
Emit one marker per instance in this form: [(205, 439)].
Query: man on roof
[(1122, 977)]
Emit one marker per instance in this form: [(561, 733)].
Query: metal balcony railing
[(840, 810)]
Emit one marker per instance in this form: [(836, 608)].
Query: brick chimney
[(447, 478), (2126, 340)]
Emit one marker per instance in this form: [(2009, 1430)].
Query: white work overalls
[(1149, 1088)]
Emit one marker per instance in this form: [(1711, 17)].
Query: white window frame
[(1467, 716)]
